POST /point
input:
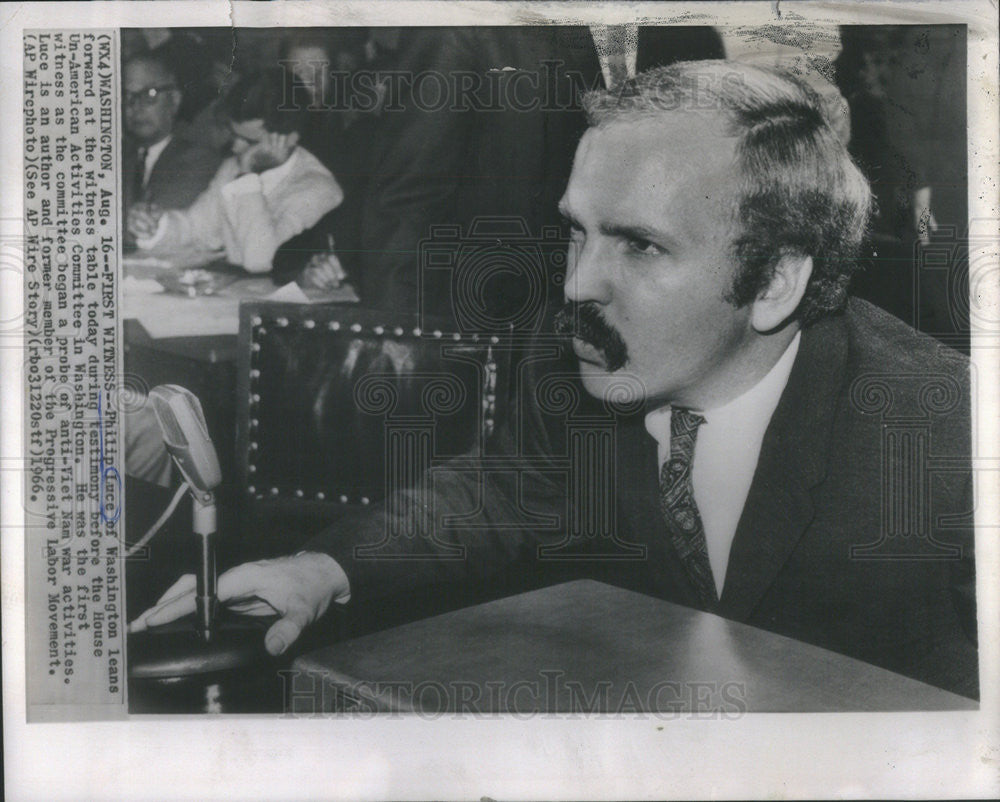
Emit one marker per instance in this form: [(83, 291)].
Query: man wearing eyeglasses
[(162, 168)]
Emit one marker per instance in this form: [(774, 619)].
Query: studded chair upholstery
[(337, 405)]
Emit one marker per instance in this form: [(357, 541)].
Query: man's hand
[(143, 220), (272, 151), (298, 588), (323, 271)]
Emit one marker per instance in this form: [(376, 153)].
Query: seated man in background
[(268, 191), (163, 168), (716, 218)]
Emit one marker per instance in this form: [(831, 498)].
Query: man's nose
[(586, 274)]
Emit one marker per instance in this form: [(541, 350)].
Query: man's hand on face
[(298, 588), (143, 220), (270, 152)]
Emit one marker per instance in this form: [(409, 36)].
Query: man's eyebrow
[(637, 232), (623, 230)]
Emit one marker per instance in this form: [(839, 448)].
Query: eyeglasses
[(147, 97)]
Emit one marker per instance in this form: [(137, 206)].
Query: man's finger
[(240, 582), (325, 277), (179, 601), (319, 276), (155, 615), (185, 584), (171, 611), (284, 632)]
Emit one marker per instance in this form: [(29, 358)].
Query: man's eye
[(645, 247), (572, 225)]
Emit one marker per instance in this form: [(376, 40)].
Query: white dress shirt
[(726, 450), (250, 215)]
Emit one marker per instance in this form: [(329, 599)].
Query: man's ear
[(779, 301), (176, 98)]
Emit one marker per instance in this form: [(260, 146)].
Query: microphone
[(185, 435)]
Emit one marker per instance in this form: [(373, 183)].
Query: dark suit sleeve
[(293, 254), (952, 657), (418, 165), (461, 524), (183, 171)]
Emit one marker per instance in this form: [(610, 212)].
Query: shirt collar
[(749, 412), (153, 151)]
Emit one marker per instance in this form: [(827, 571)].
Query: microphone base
[(172, 669)]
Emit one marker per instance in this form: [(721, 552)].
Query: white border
[(839, 755)]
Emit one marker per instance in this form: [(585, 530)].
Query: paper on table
[(166, 315), (292, 293), (170, 315), (140, 286), (157, 262)]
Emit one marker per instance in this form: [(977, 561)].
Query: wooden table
[(585, 646)]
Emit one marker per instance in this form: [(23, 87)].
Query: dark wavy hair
[(261, 96), (801, 193)]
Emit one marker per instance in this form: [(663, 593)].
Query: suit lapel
[(638, 489), (660, 572), (163, 166), (130, 167), (793, 460)]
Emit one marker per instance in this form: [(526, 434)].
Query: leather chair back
[(338, 405)]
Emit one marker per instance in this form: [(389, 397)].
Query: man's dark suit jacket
[(856, 534), (503, 146), (180, 175)]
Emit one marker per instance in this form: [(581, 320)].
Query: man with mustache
[(715, 217)]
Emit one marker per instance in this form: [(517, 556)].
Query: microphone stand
[(216, 663), (203, 514), (220, 656)]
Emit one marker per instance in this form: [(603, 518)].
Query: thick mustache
[(586, 322)]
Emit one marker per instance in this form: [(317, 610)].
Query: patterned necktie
[(678, 505)]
